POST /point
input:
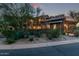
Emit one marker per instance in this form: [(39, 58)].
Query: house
[(69, 24), (37, 23), (65, 23)]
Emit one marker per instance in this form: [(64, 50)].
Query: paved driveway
[(62, 50)]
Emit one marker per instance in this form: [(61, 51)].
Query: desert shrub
[(19, 34), (10, 41), (7, 33), (26, 34), (76, 31), (63, 33), (10, 35), (14, 34), (31, 39), (53, 33), (49, 36), (37, 39), (36, 33)]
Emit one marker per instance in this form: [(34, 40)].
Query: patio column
[(60, 29), (61, 24)]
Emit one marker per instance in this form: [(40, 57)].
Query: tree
[(38, 10), (15, 15), (72, 14)]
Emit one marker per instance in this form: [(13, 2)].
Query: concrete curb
[(23, 46)]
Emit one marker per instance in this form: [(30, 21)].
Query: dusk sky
[(57, 8)]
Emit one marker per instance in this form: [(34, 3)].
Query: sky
[(57, 8)]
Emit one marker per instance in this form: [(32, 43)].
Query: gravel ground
[(39, 40)]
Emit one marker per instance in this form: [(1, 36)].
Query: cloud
[(35, 5)]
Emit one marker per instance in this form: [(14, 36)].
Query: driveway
[(60, 50)]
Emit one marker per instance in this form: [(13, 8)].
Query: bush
[(26, 36), (53, 33), (10, 41), (36, 33), (31, 39), (76, 32), (19, 34), (49, 36), (37, 39), (6, 33), (10, 35), (13, 35)]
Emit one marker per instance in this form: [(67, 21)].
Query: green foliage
[(10, 41), (73, 14), (19, 34), (49, 36), (31, 38), (38, 10), (36, 33), (15, 17), (53, 33), (12, 35), (76, 31), (56, 33), (7, 33)]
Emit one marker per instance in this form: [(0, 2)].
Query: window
[(54, 27), (48, 26)]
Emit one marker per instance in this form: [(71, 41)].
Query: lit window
[(38, 27), (77, 25), (34, 27), (48, 26), (54, 26), (66, 26), (31, 20), (39, 20)]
